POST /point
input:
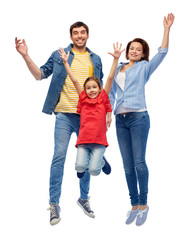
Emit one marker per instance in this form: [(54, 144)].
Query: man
[(62, 99)]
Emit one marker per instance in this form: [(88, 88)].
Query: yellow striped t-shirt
[(82, 68)]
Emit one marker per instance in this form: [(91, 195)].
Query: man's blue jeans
[(132, 133), (66, 124)]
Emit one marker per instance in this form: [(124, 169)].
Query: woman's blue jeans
[(132, 132), (66, 124)]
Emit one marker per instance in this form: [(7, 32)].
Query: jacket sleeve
[(101, 73), (47, 68)]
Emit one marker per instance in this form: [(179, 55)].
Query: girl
[(92, 106), (132, 120)]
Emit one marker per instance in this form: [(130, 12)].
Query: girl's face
[(92, 89), (135, 51)]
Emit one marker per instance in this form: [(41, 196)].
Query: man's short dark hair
[(79, 24)]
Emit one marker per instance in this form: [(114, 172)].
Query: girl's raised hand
[(63, 55), (168, 21), (117, 50)]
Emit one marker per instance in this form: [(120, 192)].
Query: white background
[(27, 134)]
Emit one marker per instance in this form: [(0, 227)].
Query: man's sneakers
[(107, 168), (54, 214), (84, 204), (55, 211)]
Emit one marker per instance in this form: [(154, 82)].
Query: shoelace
[(87, 206), (129, 212), (52, 208), (141, 213)]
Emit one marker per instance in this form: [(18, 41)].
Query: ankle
[(142, 207), (134, 208)]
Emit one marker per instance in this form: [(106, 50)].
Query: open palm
[(117, 50), (168, 21)]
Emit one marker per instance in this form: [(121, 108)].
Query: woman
[(132, 119)]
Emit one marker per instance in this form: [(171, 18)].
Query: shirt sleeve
[(106, 101), (152, 65), (79, 105)]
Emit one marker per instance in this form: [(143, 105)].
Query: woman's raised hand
[(168, 21), (117, 50)]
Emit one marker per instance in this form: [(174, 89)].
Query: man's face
[(79, 37)]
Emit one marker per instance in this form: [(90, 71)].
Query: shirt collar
[(71, 46)]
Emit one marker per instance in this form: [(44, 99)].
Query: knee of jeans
[(94, 172), (80, 168), (59, 157), (58, 161), (141, 167), (130, 170)]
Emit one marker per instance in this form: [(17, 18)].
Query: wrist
[(65, 63), (26, 56), (166, 29)]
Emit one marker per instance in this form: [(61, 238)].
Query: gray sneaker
[(142, 216), (54, 214), (84, 204), (131, 215)]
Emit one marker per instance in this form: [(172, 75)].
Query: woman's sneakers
[(139, 215), (131, 215), (142, 216)]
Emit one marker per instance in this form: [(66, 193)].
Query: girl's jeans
[(132, 133), (89, 156), (66, 124)]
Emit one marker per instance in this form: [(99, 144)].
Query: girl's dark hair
[(94, 78), (79, 24), (145, 46)]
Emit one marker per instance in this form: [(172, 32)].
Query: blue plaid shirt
[(133, 95)]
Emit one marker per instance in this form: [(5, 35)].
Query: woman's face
[(135, 51)]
